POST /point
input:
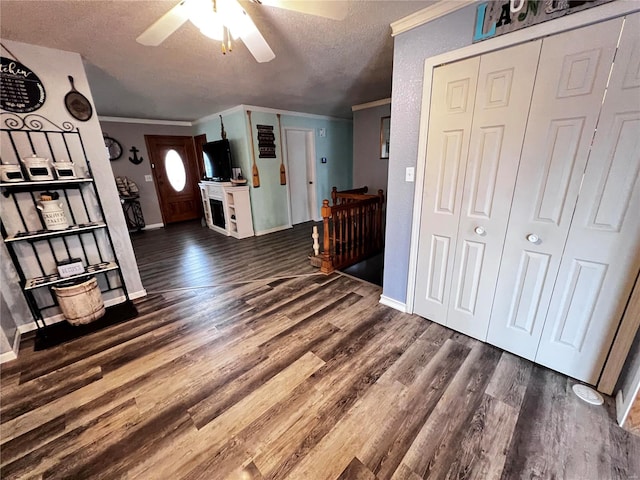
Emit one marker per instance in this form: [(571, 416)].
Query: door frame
[(194, 167), (310, 144), (552, 27)]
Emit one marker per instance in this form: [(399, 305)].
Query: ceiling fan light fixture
[(203, 16), (234, 18)]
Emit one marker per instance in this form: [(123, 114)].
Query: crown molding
[(377, 103), (215, 116), (146, 121), (426, 15), (290, 113)]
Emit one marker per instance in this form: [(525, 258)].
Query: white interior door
[(602, 254), (452, 102), (505, 83), (571, 80), (301, 175)]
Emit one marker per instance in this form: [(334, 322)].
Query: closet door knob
[(533, 238), (479, 230)]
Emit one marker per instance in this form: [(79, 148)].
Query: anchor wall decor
[(135, 160)]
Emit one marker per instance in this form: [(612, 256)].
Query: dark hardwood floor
[(244, 363)]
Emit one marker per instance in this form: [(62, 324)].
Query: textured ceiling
[(322, 66)]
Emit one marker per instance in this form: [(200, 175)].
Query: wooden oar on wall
[(283, 173), (254, 168)]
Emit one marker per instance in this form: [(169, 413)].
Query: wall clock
[(114, 147)]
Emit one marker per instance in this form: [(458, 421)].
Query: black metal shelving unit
[(34, 250)]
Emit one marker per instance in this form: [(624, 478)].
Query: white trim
[(153, 226), (146, 121), (426, 15), (215, 116), (8, 356), (395, 304), (310, 147), (13, 353), (16, 341), (625, 400), (273, 230), (377, 103), (290, 113), (138, 294), (597, 14)]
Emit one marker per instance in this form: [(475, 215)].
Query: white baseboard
[(8, 356), (395, 304), (153, 226), (13, 353), (620, 410), (273, 230), (138, 294)]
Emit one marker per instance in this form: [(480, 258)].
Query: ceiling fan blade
[(164, 26), (335, 10), (241, 25), (258, 46)]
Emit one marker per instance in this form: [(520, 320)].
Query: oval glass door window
[(176, 173)]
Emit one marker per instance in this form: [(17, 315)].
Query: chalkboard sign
[(266, 139), (21, 91)]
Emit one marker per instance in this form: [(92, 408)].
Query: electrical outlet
[(323, 132), (409, 174), (148, 178)]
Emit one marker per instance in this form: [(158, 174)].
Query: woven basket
[(81, 303)]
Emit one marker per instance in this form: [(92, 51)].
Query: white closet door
[(602, 255), (571, 80), (505, 85), (452, 101)]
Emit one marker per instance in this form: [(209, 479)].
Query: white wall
[(53, 67), (368, 168)]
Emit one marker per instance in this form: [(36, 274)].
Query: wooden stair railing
[(352, 228)]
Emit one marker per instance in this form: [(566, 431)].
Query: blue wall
[(269, 202)]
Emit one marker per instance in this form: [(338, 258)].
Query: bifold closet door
[(469, 177), (452, 99), (505, 85), (602, 254), (571, 81)]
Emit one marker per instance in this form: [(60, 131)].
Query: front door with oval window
[(175, 174)]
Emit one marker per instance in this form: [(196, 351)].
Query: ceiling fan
[(224, 20)]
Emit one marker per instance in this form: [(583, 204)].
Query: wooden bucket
[(81, 303)]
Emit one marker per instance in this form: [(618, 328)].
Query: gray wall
[(132, 134), (368, 168), (411, 49)]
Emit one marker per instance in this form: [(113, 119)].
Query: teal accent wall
[(336, 147), (269, 202)]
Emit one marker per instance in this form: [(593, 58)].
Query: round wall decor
[(114, 147), (22, 91)]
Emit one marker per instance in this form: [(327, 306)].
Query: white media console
[(227, 208)]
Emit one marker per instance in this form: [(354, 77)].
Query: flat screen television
[(217, 161)]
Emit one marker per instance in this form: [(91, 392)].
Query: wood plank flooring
[(245, 364)]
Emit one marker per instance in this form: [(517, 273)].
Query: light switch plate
[(409, 175), (323, 132), (148, 178)]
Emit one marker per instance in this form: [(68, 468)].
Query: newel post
[(327, 266)]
